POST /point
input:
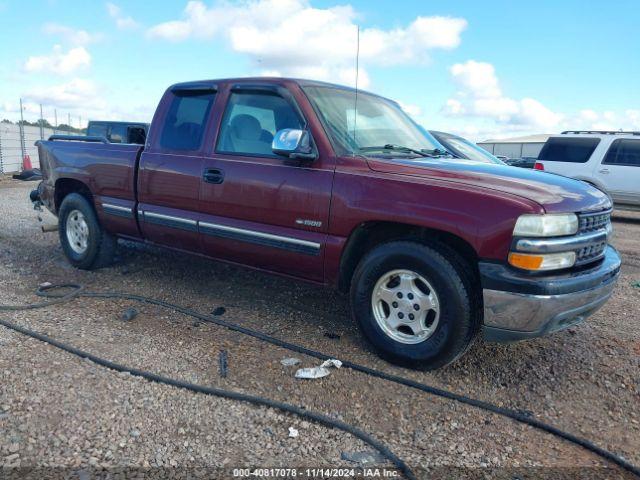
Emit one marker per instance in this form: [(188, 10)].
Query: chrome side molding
[(291, 244), (251, 236), (117, 210)]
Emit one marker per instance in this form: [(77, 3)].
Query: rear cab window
[(118, 134), (186, 120), (623, 152), (568, 149), (98, 130)]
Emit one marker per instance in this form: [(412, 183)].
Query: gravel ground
[(60, 412)]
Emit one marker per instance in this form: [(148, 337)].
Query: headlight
[(539, 263), (552, 225)]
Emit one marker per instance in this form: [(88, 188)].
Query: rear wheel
[(414, 305), (85, 243)]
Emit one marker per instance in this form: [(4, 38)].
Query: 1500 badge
[(308, 223)]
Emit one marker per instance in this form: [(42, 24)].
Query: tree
[(67, 128), (6, 121)]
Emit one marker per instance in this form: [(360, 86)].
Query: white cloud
[(79, 97), (412, 110), (589, 119), (589, 115), (59, 61), (633, 116), (291, 37), (479, 95), (123, 22), (77, 93), (479, 110), (478, 78), (479, 98), (71, 35)]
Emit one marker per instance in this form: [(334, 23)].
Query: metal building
[(516, 147)]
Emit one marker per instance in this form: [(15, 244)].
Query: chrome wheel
[(405, 306), (77, 232)]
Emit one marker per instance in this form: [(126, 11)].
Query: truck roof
[(277, 81), (118, 122)]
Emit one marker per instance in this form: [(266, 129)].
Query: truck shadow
[(276, 305)]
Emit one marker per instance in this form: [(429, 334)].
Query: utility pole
[(69, 122), (41, 124), (55, 119), (1, 162), (22, 146)]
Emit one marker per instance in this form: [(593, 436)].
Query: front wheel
[(414, 305), (84, 242)]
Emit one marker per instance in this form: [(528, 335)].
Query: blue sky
[(482, 69)]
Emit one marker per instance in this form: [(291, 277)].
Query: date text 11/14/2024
[(306, 473)]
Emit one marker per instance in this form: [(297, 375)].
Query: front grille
[(588, 223), (590, 253)]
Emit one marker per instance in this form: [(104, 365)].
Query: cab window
[(251, 120), (98, 130), (118, 134), (186, 120)]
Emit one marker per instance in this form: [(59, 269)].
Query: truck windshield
[(463, 148), (376, 124)]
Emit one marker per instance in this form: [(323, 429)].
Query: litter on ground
[(318, 372), (290, 362)]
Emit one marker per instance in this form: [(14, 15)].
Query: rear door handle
[(213, 175), (604, 170)]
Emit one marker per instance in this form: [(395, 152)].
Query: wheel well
[(65, 186), (371, 234)]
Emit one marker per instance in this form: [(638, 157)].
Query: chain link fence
[(16, 141), (18, 136)]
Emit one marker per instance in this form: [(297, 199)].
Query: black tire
[(458, 322), (101, 245)]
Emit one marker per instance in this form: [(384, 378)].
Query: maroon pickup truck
[(309, 180)]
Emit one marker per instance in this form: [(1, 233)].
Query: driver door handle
[(604, 171), (213, 175)]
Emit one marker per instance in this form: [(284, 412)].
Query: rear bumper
[(518, 306), (45, 195)]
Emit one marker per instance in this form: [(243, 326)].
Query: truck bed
[(108, 170)]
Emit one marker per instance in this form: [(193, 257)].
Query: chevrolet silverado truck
[(325, 184)]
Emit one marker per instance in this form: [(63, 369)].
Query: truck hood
[(554, 193)]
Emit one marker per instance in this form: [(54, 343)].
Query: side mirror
[(293, 143)]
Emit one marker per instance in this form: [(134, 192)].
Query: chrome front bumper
[(512, 315)]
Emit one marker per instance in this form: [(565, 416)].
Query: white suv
[(607, 160)]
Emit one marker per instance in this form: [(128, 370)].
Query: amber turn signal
[(550, 261), (528, 262)]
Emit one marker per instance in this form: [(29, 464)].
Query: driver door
[(258, 208)]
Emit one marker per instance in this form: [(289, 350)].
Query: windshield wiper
[(399, 148), (436, 152)]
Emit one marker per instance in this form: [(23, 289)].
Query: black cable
[(505, 412), (218, 392)]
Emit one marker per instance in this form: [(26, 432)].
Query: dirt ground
[(60, 412)]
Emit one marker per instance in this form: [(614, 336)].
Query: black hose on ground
[(78, 291), (218, 392)]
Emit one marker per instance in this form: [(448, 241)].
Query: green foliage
[(63, 127)]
